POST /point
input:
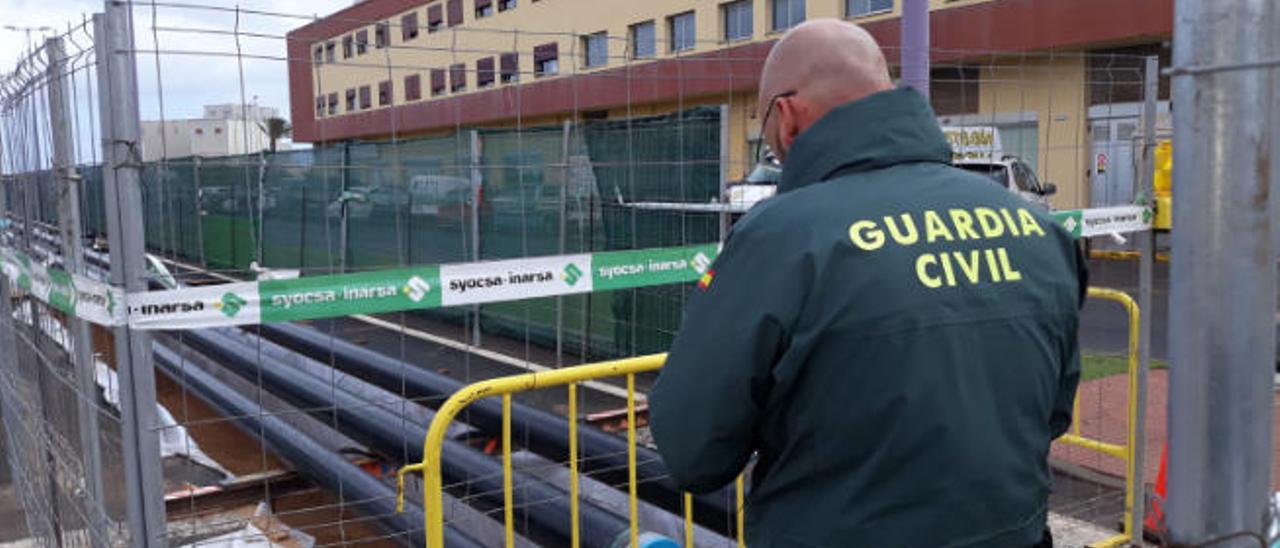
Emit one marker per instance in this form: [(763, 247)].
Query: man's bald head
[(825, 63)]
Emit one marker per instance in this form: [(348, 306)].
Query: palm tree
[(277, 128)]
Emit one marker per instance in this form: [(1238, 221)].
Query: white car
[(1012, 174)]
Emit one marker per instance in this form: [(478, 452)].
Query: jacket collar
[(878, 131)]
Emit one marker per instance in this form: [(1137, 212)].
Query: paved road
[(1104, 325)]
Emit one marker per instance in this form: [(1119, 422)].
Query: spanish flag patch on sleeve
[(705, 281)]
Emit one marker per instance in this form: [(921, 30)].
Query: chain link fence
[(117, 433)]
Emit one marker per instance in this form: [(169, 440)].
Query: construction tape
[(415, 288), (373, 292)]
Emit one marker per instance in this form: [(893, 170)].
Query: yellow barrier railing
[(433, 482), (1122, 452)]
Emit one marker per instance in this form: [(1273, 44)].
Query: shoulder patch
[(705, 281)]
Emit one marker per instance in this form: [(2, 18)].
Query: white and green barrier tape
[(434, 286), (314, 297), (1103, 221), (89, 299)]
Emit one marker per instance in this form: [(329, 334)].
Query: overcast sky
[(187, 81)]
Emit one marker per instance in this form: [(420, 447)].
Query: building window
[(217, 131), (683, 31), (643, 40), (859, 8), (504, 5), (435, 17), (510, 68), (351, 100), (330, 52), (786, 14), (366, 98), (412, 87), (484, 8), (485, 73), (546, 59), (455, 13), (596, 48), (362, 41), (409, 27), (348, 46), (458, 77), (333, 104), (382, 35), (384, 93), (199, 131), (319, 56), (320, 106), (437, 82), (737, 20)]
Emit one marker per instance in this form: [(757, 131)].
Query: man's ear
[(789, 122)]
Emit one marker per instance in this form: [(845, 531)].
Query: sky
[(182, 83)]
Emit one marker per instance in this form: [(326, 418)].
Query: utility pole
[(122, 167), (68, 186), (915, 45), (1223, 276)]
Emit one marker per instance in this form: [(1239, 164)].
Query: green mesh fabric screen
[(93, 217), (542, 191), (300, 222), (410, 202), (228, 191), (170, 213), (524, 174), (674, 158)]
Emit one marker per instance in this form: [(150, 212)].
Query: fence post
[(344, 227), (68, 181), (724, 171), (1223, 276), (1146, 260), (477, 182), (198, 198), (122, 163), (30, 199), (564, 227)]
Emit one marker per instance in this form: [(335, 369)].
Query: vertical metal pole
[(724, 169), (30, 194), (344, 227), (1146, 261), (199, 200), (565, 173), (1223, 280), (915, 45), (121, 134), (68, 181), (477, 182)]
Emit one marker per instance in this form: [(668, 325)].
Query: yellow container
[(1163, 182)]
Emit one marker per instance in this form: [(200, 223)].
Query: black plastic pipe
[(366, 494), (544, 508), (604, 456)]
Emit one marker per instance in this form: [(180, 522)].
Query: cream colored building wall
[(531, 24), (1053, 88)]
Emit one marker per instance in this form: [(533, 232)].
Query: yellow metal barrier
[(433, 487), (1074, 437)]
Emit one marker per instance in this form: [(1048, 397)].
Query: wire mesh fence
[(431, 144)]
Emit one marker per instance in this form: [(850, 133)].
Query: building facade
[(224, 130), (1047, 73)]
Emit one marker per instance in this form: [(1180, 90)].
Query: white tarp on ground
[(175, 441)]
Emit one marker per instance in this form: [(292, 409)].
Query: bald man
[(892, 338)]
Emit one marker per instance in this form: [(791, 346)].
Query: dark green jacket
[(894, 338)]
